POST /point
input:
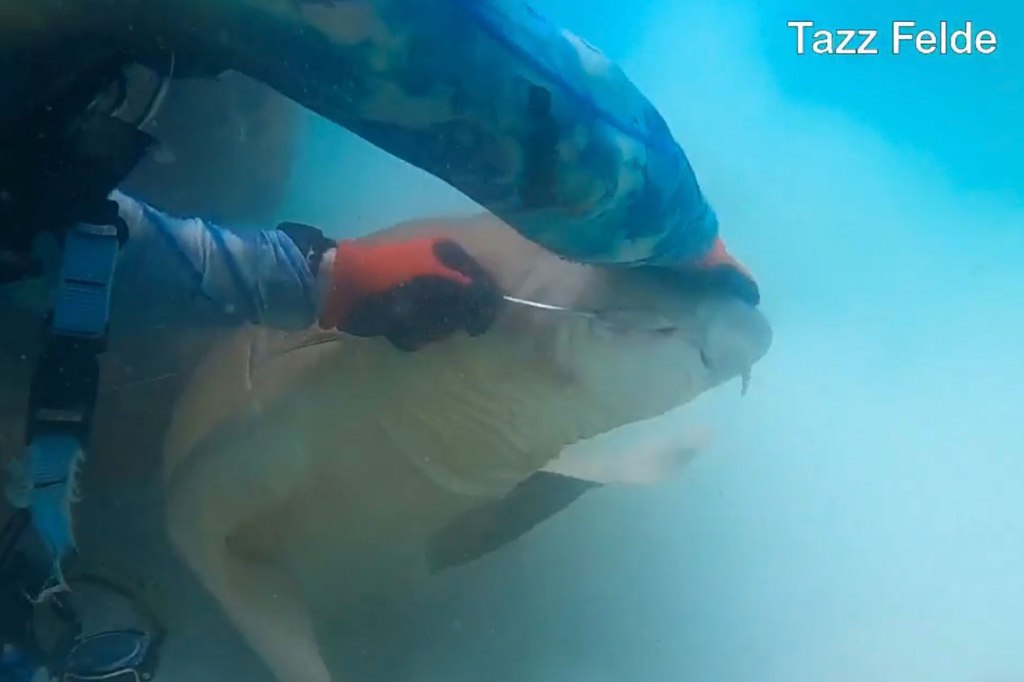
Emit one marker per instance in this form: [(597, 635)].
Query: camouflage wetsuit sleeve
[(523, 117), (189, 272)]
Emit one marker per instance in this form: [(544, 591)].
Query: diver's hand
[(719, 270), (411, 292)]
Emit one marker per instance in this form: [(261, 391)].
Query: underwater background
[(861, 513)]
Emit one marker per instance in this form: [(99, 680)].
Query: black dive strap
[(56, 179), (63, 393), (310, 241), (65, 383), (59, 165)]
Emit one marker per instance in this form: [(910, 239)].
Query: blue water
[(963, 110), (860, 516)]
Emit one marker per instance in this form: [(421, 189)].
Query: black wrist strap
[(310, 241)]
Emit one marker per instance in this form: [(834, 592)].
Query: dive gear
[(96, 631), (61, 161), (66, 381), (102, 633)]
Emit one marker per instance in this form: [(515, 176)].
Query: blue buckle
[(66, 381), (82, 307)]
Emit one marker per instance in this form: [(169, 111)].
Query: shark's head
[(640, 340), (657, 337)]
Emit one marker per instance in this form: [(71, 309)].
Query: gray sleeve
[(188, 271)]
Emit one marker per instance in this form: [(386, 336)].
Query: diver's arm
[(526, 119), (189, 272), (193, 272)]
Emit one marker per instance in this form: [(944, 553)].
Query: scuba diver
[(531, 122)]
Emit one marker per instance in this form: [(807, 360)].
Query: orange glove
[(411, 292), (719, 269)]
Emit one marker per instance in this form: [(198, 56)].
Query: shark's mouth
[(736, 336)]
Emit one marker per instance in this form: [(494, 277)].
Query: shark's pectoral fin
[(491, 526), (642, 452), (647, 451)]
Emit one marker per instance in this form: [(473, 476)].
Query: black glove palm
[(411, 292)]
